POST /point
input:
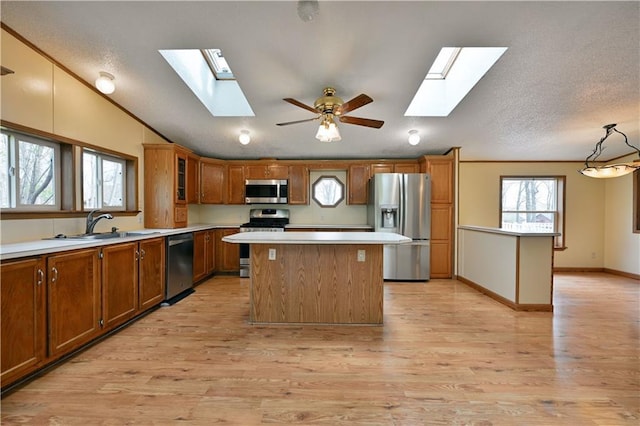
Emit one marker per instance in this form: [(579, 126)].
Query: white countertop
[(325, 225), (41, 247), (508, 232), (317, 238)]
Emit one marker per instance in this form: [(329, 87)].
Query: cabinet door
[(277, 171), (358, 179), (22, 318), (298, 185), (406, 168), (381, 168), (193, 181), (181, 178), (199, 255), (235, 184), (74, 300), (227, 255), (441, 180), (119, 283), (441, 261), (151, 274), (210, 252), (212, 183)]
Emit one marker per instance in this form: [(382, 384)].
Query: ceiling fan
[(329, 106)]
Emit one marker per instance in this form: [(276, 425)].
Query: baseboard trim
[(605, 270), (515, 306)]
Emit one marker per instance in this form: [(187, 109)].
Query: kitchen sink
[(103, 235)]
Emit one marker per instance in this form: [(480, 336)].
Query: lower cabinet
[(73, 300), (203, 254), (54, 304), (23, 319), (227, 254)]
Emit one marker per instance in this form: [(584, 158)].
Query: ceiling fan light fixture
[(609, 170), (244, 137), (105, 84), (414, 137), (328, 131)]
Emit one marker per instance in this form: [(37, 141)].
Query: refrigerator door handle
[(402, 210)]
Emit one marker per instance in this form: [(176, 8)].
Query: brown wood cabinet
[(406, 167), (151, 273), (381, 168), (266, 171), (235, 184), (203, 254), (227, 255), (358, 183), (298, 184), (119, 283), (441, 171), (165, 186), (23, 333), (74, 311), (212, 181)]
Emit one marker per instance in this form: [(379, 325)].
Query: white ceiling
[(571, 68)]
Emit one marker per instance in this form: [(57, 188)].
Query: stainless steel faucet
[(91, 221)]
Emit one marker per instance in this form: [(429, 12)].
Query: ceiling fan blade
[(300, 104), (296, 122), (357, 102), (361, 121)]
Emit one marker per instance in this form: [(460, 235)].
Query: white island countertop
[(317, 238)]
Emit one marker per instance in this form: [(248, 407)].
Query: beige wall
[(621, 245), (479, 203)]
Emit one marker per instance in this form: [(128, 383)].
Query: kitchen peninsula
[(316, 277)]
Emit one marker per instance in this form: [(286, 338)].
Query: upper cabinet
[(165, 183), (235, 184), (266, 171), (212, 181), (193, 178), (298, 184), (27, 94), (441, 171), (357, 183)]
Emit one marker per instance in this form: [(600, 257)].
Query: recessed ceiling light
[(452, 76)]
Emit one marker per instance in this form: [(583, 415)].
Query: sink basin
[(104, 235)]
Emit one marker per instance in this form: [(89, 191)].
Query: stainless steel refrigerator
[(401, 203)]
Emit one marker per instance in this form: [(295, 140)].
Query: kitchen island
[(316, 277)]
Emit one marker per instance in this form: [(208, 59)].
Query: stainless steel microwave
[(266, 191)]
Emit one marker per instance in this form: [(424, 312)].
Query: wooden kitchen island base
[(316, 277), (316, 284)]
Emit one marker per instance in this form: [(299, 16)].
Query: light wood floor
[(446, 355)]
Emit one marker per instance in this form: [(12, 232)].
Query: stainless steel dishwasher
[(179, 267)]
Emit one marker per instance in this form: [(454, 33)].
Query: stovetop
[(267, 218)]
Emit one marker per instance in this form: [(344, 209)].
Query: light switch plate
[(361, 255), (272, 254)]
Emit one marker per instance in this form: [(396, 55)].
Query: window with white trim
[(30, 172), (533, 204), (103, 181)]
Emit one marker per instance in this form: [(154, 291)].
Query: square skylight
[(453, 74), (209, 77)]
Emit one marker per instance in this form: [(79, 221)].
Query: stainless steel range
[(264, 220)]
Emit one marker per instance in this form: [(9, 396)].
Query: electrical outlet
[(361, 255), (272, 254)]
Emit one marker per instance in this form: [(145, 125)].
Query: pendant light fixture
[(105, 83), (609, 170)]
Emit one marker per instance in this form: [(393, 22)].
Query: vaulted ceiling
[(570, 68)]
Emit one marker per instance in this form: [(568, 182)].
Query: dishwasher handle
[(180, 239)]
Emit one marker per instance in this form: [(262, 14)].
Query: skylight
[(209, 77), (453, 74)]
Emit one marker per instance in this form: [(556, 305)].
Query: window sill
[(7, 215)]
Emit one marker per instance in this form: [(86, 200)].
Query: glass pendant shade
[(328, 131)]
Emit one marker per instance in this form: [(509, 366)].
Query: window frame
[(560, 241), (70, 177), (100, 158), (14, 139)]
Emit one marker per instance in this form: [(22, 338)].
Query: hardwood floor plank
[(445, 355)]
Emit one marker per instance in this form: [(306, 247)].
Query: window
[(103, 181), (30, 175), (328, 191), (533, 204)]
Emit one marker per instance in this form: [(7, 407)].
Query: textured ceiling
[(571, 68)]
